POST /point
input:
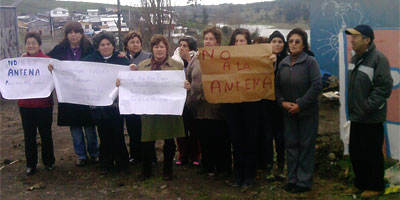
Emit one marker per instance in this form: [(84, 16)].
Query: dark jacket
[(300, 83), (112, 111), (71, 114), (369, 85), (59, 52), (136, 59)]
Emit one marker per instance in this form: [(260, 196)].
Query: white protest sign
[(25, 78), (86, 83), (152, 92)]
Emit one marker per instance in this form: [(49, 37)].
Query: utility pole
[(119, 25)]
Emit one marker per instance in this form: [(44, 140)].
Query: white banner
[(152, 92), (25, 78), (86, 83)]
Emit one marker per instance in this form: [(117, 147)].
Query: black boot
[(169, 154)]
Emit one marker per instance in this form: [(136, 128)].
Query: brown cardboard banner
[(233, 74)]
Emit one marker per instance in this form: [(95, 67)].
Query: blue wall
[(329, 17)]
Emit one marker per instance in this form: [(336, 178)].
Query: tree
[(205, 16), (156, 18)]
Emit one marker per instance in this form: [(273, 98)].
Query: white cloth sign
[(86, 83), (152, 92), (25, 78)]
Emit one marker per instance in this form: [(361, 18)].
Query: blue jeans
[(78, 139)]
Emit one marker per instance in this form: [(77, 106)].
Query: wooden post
[(120, 47), (9, 41)]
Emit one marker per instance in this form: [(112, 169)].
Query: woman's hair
[(240, 31), (304, 39), (101, 36), (191, 42), (77, 28), (130, 36), (34, 35), (215, 31), (260, 40), (156, 39)]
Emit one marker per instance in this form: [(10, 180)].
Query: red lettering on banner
[(244, 67), (248, 84), (237, 85), (256, 82), (267, 81), (215, 85), (227, 88), (227, 65), (206, 52), (225, 52)]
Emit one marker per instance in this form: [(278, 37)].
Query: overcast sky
[(174, 2)]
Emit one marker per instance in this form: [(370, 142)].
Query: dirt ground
[(68, 181)]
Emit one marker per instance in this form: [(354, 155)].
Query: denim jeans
[(78, 139)]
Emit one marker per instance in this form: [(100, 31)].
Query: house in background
[(59, 13), (41, 26)]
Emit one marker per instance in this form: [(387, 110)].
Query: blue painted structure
[(329, 17)]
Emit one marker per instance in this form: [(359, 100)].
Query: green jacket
[(161, 127), (369, 86)]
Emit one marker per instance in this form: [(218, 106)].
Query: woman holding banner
[(76, 46), (209, 118), (110, 124), (135, 54), (37, 114), (244, 127), (298, 84), (156, 127)]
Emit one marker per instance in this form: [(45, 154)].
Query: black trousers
[(149, 150), (243, 122), (33, 119), (215, 145), (366, 142), (134, 128), (272, 128), (112, 143)]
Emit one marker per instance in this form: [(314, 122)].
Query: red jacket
[(40, 102)]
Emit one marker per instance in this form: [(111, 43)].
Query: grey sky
[(174, 2)]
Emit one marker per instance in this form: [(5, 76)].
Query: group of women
[(206, 133)]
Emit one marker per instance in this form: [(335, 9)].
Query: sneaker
[(234, 183), (298, 189), (289, 187), (370, 194), (93, 160), (353, 190), (280, 175), (81, 162), (50, 167), (270, 176), (30, 171)]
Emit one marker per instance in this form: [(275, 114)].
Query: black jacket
[(59, 52), (369, 85), (71, 114), (112, 111)]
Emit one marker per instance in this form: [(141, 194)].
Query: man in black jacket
[(370, 84)]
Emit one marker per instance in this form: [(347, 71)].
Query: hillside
[(41, 6), (278, 13)]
